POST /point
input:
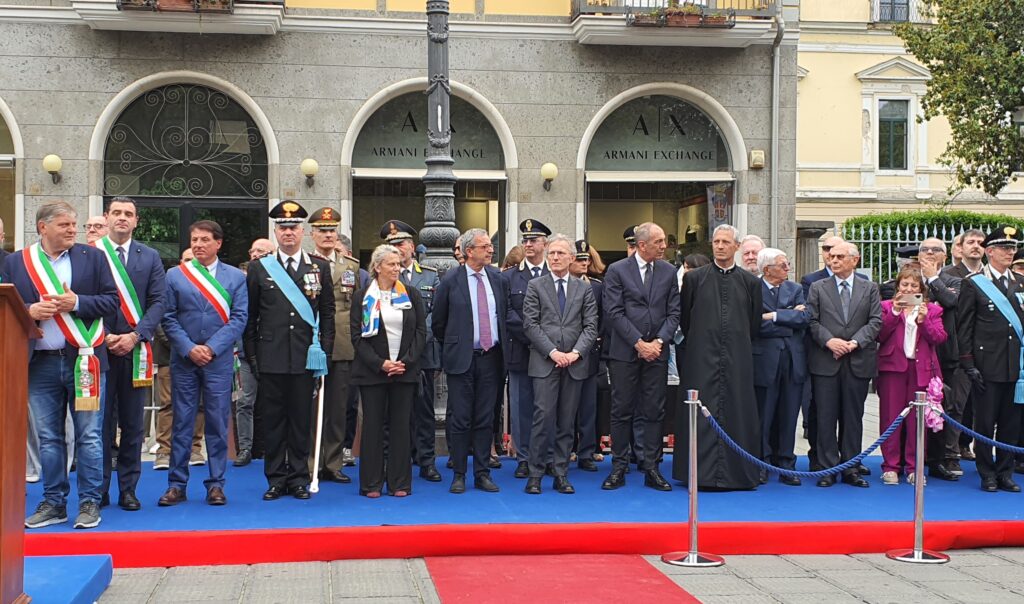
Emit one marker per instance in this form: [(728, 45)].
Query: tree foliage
[(975, 51)]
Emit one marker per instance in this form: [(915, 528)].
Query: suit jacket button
[(291, 314), (291, 327)]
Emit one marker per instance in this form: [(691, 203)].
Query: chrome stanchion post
[(918, 555), (692, 558)]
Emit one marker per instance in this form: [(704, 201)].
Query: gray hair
[(380, 253), (558, 237), (48, 211), (642, 232), (768, 256), (727, 227), (752, 237), (466, 239), (853, 250), (941, 243)]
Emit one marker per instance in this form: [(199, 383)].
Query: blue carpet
[(340, 505), (67, 579)]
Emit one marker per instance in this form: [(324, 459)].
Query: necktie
[(120, 255), (775, 295), (483, 313), (536, 272), (561, 296), (1002, 281), (406, 276), (844, 297), (648, 269), (291, 266)]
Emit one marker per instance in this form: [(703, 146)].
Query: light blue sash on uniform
[(1004, 306), (316, 359)]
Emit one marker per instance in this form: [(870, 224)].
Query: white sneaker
[(347, 458), (910, 479), (162, 462), (197, 459), (154, 449), (32, 478), (890, 478)]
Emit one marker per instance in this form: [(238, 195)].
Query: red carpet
[(544, 578)]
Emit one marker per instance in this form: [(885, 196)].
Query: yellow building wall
[(545, 8), (420, 6), (828, 118), (335, 4), (850, 11), (829, 180)]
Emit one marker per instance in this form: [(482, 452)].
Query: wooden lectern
[(16, 327)]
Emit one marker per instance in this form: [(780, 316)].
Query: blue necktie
[(561, 296)]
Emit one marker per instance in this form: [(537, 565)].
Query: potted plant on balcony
[(683, 15), (651, 18), (177, 6), (213, 6), (719, 19), (136, 4)]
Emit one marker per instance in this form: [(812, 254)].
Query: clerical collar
[(725, 271)]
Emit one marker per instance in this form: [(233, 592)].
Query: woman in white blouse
[(388, 331)]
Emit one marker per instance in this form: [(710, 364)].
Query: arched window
[(185, 140)]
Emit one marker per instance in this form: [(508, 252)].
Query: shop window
[(892, 134)]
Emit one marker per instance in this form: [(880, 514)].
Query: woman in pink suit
[(911, 329)]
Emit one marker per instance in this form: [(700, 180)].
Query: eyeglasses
[(780, 265), (94, 226), (932, 250), (838, 256)]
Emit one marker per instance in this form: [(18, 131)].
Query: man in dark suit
[(67, 286), (207, 309), (139, 275), (973, 255), (517, 349), (586, 415), (560, 319), (641, 303), (279, 340), (469, 321), (780, 361), (846, 316), (989, 327)]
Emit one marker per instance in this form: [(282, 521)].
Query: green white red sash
[(216, 295), (87, 366), (131, 308)]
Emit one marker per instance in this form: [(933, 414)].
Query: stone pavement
[(993, 576)]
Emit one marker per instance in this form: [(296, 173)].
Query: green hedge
[(878, 235)]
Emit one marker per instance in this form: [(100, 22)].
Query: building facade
[(207, 115)]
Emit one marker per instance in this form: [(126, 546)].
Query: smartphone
[(912, 299)]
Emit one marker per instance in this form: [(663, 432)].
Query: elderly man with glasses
[(96, 228)]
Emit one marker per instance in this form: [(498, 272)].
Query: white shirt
[(530, 267), (849, 281), (297, 257), (53, 337), (127, 245), (392, 318), (640, 262), (212, 269), (492, 307), (910, 334)]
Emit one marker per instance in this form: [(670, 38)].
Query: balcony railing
[(743, 8), (901, 11)]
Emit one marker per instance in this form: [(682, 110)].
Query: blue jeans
[(51, 395)]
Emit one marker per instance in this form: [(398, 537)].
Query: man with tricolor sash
[(291, 325), (990, 328), (207, 308), (139, 276), (68, 289)]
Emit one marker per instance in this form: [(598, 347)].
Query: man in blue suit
[(780, 361), (207, 307), (139, 275), (641, 302), (517, 353), (60, 281), (469, 321)]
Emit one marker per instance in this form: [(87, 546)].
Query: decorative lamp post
[(439, 232)]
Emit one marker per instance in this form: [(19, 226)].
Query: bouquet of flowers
[(933, 410)]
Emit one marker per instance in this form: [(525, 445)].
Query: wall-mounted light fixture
[(309, 169), (548, 172), (52, 164)]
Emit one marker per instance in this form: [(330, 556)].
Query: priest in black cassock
[(720, 314)]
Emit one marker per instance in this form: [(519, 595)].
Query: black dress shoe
[(1019, 468), (215, 496), (129, 502), (855, 480), (654, 479), (458, 484), (939, 471), (562, 485), (533, 485), (172, 496), (493, 462), (989, 485), (105, 500), (332, 476), (863, 470), (792, 481), (827, 481), (300, 492), (484, 483), (243, 458), (430, 473), (274, 492), (449, 464), (522, 470), (587, 465), (1007, 484), (615, 480), (966, 454)]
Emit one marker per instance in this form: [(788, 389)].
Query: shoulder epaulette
[(428, 268), (319, 255), (356, 260)]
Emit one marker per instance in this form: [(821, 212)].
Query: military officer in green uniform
[(347, 278)]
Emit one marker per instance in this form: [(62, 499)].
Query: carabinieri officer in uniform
[(291, 324)]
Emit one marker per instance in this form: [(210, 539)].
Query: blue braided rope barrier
[(855, 461), (984, 439)]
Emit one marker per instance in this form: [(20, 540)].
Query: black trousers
[(332, 437), (422, 417), (945, 444), (638, 387), (287, 402), (471, 400), (351, 417), (386, 412), (779, 405), (586, 420), (839, 403), (998, 417), (123, 406)]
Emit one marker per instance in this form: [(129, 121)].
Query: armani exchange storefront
[(658, 158)]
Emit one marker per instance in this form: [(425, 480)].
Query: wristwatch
[(660, 341)]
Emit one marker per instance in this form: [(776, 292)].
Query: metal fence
[(878, 243), (901, 11), (750, 8)]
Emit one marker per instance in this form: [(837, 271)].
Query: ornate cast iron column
[(439, 232)]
